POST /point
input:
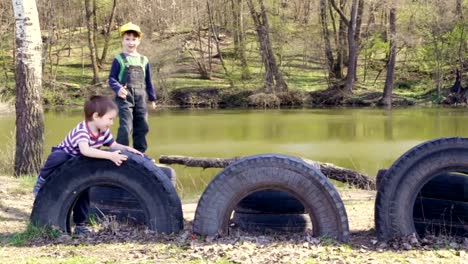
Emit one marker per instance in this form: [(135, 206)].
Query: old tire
[(278, 172), (379, 177), (265, 223), (404, 180), (270, 202), (138, 176), (115, 201), (448, 186)]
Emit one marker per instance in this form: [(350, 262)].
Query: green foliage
[(428, 40), (33, 232)]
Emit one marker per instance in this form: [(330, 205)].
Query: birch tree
[(29, 112)]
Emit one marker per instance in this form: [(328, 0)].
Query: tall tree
[(107, 33), (388, 88), (239, 36), (92, 40), (274, 81), (326, 38), (29, 112), (353, 24), (352, 47)]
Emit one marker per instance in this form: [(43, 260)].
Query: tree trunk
[(326, 38), (332, 171), (91, 42), (388, 88), (95, 28), (239, 37), (216, 39), (357, 34), (107, 35), (340, 37), (29, 111), (463, 46), (269, 61), (352, 48)]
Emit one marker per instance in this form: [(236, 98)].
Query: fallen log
[(353, 178)]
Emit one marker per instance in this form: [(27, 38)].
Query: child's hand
[(153, 104), (117, 158), (130, 149), (123, 92)]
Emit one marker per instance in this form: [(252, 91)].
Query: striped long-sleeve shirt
[(82, 133)]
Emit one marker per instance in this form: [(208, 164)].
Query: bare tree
[(326, 38), (239, 37), (107, 33), (216, 39), (29, 112), (463, 44), (388, 88), (352, 48), (92, 41), (353, 24), (274, 81)]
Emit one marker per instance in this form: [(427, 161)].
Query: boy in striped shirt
[(86, 139)]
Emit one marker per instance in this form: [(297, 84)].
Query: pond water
[(364, 140)]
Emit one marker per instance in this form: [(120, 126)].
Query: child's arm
[(118, 146), (118, 88), (149, 86), (114, 156)]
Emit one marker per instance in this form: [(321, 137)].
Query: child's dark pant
[(133, 118), (57, 158)]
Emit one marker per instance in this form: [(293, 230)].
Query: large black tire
[(379, 177), (278, 172), (448, 186), (437, 227), (445, 210), (265, 223), (115, 201), (404, 180), (138, 176), (270, 202)]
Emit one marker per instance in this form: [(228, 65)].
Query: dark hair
[(133, 33), (98, 104)]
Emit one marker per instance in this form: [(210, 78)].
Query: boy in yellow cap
[(130, 79)]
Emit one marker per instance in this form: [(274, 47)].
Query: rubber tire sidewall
[(151, 187)]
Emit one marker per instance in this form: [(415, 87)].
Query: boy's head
[(130, 29), (98, 106), (131, 37)]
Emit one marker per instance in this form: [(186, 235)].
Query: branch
[(336, 173), (340, 12)]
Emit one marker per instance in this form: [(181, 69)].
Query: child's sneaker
[(82, 230)]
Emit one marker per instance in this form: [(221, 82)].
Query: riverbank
[(120, 244)]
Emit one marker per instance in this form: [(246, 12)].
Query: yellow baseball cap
[(130, 27)]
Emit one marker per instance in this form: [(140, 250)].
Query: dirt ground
[(143, 246)]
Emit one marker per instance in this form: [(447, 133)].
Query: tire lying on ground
[(270, 202), (114, 201), (277, 172), (402, 184), (379, 177), (264, 223), (150, 186), (441, 206)]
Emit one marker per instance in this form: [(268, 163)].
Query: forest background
[(252, 52)]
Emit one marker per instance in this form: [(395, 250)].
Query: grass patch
[(66, 260), (7, 155), (33, 232)]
